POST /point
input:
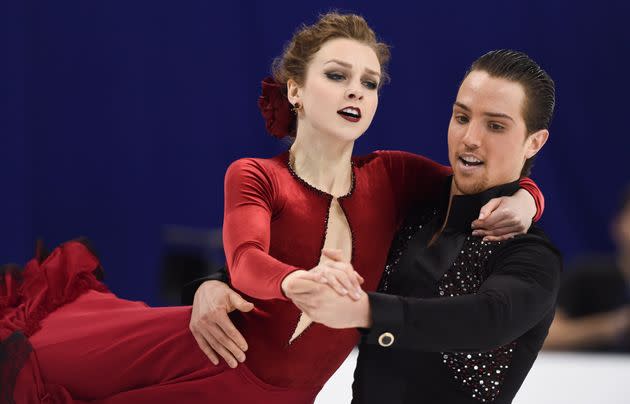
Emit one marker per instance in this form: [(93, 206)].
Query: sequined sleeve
[(519, 292), (249, 199)]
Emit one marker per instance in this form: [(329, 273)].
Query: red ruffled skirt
[(64, 338)]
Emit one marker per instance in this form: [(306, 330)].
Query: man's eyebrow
[(490, 114), (498, 115), (348, 65)]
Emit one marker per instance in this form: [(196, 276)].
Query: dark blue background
[(120, 117)]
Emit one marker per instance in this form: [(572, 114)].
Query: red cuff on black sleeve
[(530, 186)]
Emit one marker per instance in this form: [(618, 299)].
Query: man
[(594, 301), (457, 320)]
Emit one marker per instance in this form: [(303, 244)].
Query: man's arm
[(189, 289), (521, 290)]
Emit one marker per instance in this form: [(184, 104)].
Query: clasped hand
[(330, 293)]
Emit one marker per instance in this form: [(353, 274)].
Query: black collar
[(465, 208)]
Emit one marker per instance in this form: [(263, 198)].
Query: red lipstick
[(352, 114)]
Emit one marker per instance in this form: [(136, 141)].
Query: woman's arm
[(415, 180), (419, 181), (249, 198)]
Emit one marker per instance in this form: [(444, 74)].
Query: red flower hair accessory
[(276, 109)]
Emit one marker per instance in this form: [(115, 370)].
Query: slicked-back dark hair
[(540, 91)]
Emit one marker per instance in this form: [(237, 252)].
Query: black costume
[(459, 321)]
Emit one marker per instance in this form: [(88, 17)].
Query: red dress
[(65, 338)]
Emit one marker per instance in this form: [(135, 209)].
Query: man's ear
[(535, 142)]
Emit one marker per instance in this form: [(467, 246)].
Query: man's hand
[(212, 328), (505, 217), (324, 305)]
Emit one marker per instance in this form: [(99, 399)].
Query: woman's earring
[(296, 107)]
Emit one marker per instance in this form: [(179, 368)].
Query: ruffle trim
[(14, 351), (28, 295)]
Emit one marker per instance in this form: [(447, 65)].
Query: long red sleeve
[(416, 180), (249, 196), (530, 186)]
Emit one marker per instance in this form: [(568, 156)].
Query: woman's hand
[(505, 217), (339, 275), (331, 270), (313, 294)]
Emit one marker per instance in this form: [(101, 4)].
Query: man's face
[(487, 139)]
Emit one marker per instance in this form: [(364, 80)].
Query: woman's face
[(340, 92)]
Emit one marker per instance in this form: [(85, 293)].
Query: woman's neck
[(323, 163)]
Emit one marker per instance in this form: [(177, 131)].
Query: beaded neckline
[(315, 189)]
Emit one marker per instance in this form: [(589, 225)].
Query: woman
[(85, 344)]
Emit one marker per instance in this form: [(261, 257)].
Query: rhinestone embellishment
[(480, 373)]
